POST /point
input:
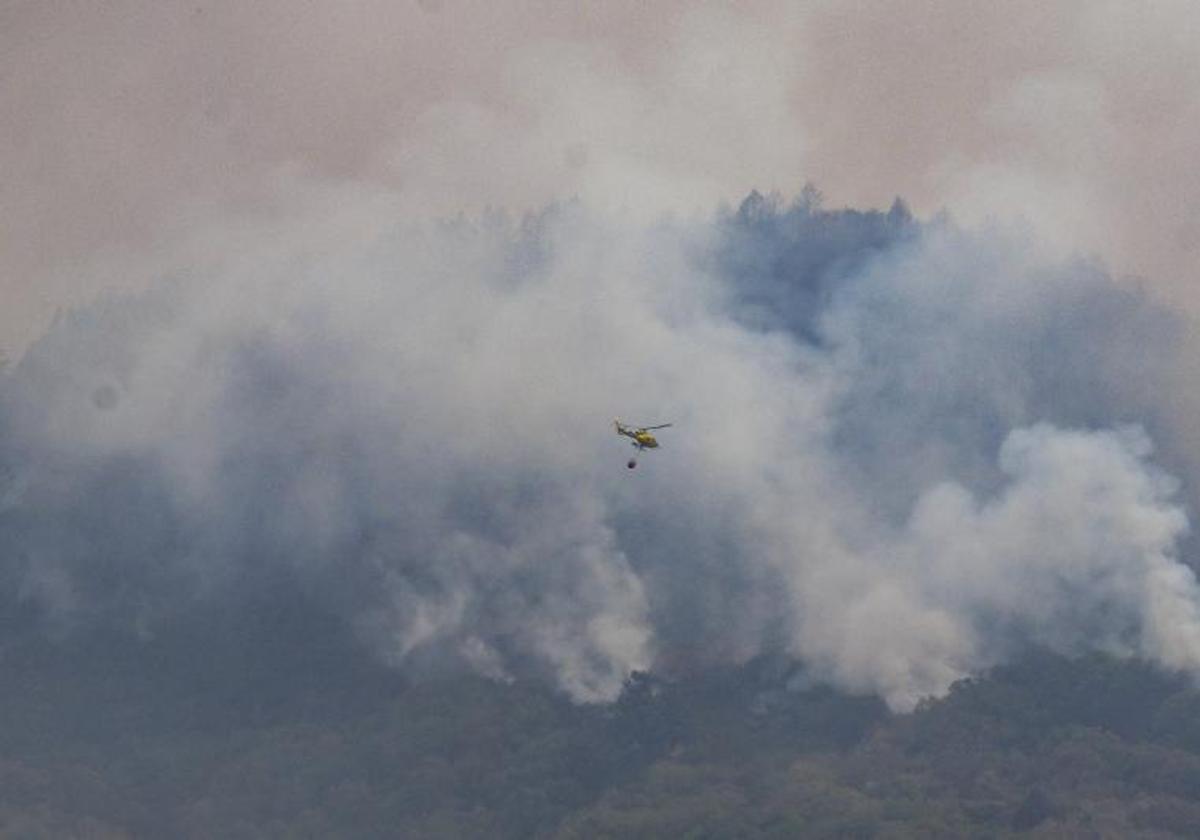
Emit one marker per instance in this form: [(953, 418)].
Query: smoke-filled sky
[(903, 450), (124, 122)]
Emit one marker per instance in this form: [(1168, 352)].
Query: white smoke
[(415, 426)]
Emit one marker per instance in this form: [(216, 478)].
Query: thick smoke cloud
[(902, 451)]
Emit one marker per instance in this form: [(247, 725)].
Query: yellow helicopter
[(641, 437)]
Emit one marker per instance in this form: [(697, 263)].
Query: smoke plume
[(902, 451)]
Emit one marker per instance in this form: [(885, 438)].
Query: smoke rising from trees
[(902, 451)]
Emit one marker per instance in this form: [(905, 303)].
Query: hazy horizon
[(133, 125)]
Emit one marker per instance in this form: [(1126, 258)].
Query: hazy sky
[(127, 124)]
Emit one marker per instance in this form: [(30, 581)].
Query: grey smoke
[(902, 451)]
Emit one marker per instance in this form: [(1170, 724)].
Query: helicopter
[(641, 437)]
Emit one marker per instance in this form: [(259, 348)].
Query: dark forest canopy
[(329, 746)]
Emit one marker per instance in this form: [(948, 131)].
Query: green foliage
[(1049, 747)]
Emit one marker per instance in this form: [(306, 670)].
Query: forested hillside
[(324, 745), (315, 319), (351, 550)]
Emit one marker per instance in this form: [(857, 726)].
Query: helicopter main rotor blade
[(652, 428)]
